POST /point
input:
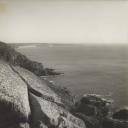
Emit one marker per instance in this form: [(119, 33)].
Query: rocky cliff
[(25, 98), (27, 101), (14, 104)]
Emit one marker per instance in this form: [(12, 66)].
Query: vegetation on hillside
[(10, 55)]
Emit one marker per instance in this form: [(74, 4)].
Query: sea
[(97, 69)]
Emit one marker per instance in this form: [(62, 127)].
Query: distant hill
[(9, 54)]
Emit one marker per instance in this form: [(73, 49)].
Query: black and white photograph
[(63, 63)]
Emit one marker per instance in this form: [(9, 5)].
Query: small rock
[(121, 114)]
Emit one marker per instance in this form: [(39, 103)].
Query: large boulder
[(36, 85), (93, 105), (14, 103), (92, 108), (52, 115)]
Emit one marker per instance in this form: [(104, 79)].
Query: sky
[(64, 21)]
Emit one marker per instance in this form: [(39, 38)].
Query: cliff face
[(46, 105), (28, 102), (14, 104), (53, 115), (10, 55)]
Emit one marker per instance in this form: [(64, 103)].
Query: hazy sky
[(64, 21)]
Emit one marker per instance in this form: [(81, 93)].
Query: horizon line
[(69, 43)]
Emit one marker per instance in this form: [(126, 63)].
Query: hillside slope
[(46, 106), (10, 55)]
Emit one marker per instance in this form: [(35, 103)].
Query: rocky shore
[(28, 101), (10, 55)]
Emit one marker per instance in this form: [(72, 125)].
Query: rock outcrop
[(119, 119), (22, 93), (121, 114), (14, 104), (53, 115), (96, 113), (92, 109), (46, 105), (93, 105)]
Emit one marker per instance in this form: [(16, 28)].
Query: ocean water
[(100, 69)]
